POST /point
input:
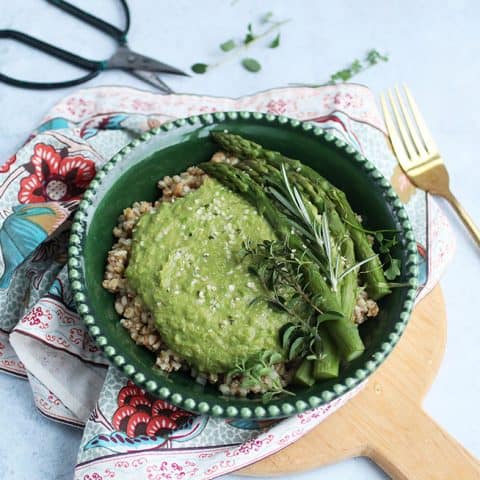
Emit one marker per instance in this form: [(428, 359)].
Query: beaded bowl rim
[(275, 408)]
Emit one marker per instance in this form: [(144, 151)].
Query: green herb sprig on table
[(372, 58), (236, 47)]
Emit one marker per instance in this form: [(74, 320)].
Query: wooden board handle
[(385, 420), (419, 449)]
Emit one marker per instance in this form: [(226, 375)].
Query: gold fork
[(418, 155)]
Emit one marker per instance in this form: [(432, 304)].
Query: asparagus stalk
[(328, 365), (246, 149), (347, 339), (304, 374)]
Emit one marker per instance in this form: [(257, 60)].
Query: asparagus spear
[(246, 149), (304, 373), (328, 365), (350, 345)]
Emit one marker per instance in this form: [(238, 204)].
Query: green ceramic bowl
[(132, 175)]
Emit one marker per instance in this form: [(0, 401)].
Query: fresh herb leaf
[(385, 245), (228, 45), (340, 76), (266, 18), (249, 382), (296, 348), (267, 397), (373, 57), (249, 37), (199, 67), (275, 357), (393, 271), (355, 67), (287, 335), (251, 65), (275, 42)]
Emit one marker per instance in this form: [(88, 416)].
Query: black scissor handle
[(92, 65), (46, 85), (52, 50), (109, 29)]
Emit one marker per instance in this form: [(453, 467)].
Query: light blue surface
[(433, 47)]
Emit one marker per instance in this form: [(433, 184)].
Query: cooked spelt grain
[(364, 308)]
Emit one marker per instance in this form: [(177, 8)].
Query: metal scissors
[(138, 65)]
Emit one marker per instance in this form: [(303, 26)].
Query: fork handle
[(465, 217)]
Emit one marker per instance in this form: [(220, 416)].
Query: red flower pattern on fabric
[(55, 177), (139, 413)]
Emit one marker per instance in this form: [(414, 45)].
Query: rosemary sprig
[(314, 227)]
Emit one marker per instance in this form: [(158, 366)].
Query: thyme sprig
[(234, 48), (372, 58), (279, 270)]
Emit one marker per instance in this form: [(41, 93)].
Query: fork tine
[(397, 143), (422, 126), (420, 147), (412, 154)]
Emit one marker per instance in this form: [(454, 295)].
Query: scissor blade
[(152, 79), (126, 59)]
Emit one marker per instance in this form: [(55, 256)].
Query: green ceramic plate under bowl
[(132, 175)]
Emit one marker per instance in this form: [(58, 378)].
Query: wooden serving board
[(386, 421)]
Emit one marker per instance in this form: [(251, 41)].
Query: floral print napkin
[(129, 434)]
